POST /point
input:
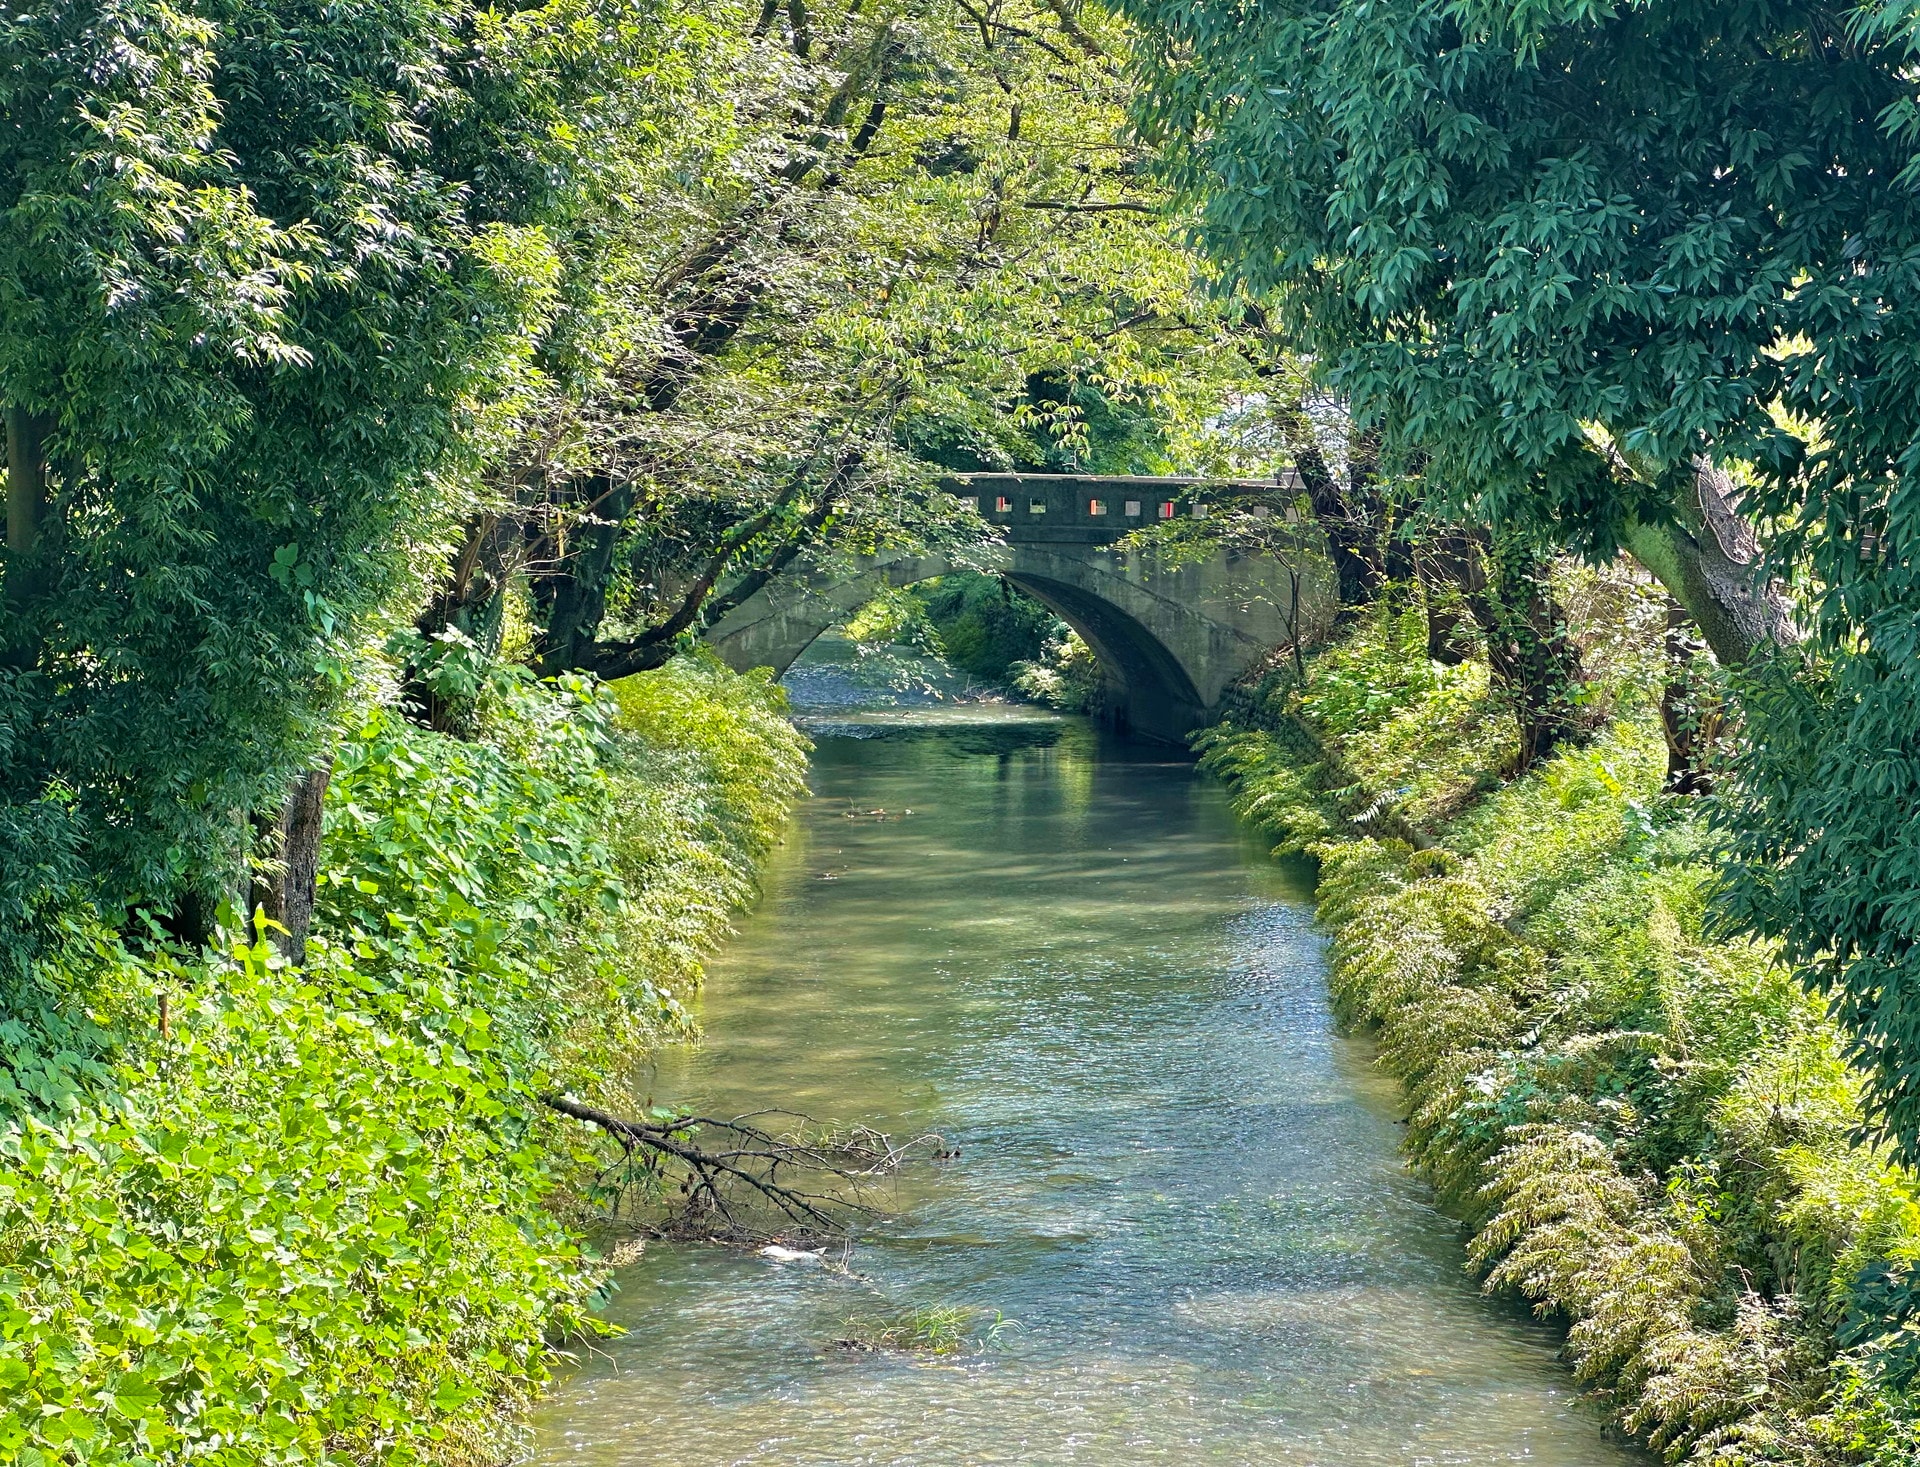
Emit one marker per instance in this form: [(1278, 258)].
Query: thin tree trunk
[(1443, 566), (1352, 536), (471, 601), (1691, 716), (1293, 622), (26, 479), (1394, 549), (656, 645), (26, 573), (1529, 649), (578, 594), (285, 890), (472, 598)]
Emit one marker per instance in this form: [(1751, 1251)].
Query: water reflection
[(1177, 1184)]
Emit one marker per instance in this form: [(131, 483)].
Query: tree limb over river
[(729, 1170)]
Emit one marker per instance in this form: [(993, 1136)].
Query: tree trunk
[(1529, 650), (1443, 566), (1293, 623), (716, 296), (1352, 537), (1690, 715), (578, 590), (1709, 561), (471, 601), (657, 644), (285, 890), (26, 479), (27, 575)]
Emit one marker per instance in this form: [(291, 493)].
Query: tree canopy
[(266, 270), (1633, 275), (1553, 250), (887, 239), (583, 317)]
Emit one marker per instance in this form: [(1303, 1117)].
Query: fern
[(1652, 1132)]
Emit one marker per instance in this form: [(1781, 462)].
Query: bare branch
[(724, 1166), (1067, 206)]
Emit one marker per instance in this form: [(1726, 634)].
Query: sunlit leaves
[(897, 223), (271, 273), (319, 1218)]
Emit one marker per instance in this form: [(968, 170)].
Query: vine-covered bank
[(252, 1213), (1650, 1132)]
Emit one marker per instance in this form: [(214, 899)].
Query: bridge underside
[(1145, 685), (1170, 640)]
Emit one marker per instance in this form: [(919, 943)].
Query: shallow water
[(1177, 1187)]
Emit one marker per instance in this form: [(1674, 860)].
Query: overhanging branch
[(727, 1167)]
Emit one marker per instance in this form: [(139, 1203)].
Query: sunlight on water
[(1177, 1187)]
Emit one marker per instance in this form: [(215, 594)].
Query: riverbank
[(1648, 1131), (252, 1214)]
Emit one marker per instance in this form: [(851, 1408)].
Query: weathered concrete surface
[(1169, 639)]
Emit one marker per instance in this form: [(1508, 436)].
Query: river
[(1178, 1191)]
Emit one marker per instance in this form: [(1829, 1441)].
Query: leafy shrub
[(1275, 785), (322, 1214), (1066, 675), (297, 1228), (984, 626), (895, 618)]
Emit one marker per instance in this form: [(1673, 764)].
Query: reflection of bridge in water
[(1170, 639)]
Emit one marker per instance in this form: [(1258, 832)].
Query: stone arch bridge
[(1170, 639)]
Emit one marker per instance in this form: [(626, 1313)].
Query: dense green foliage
[(556, 331), (1506, 224), (321, 1214), (982, 626), (266, 271), (1621, 273), (1654, 1133), (355, 359), (884, 240)]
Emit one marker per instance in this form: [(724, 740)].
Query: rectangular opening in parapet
[(1133, 508), (1036, 506), (1002, 505), (1166, 509), (1096, 506)]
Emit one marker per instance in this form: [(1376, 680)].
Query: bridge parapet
[(1093, 509)]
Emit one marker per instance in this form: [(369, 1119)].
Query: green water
[(1176, 1183)]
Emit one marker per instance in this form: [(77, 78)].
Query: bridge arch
[(1169, 639), (1142, 678)]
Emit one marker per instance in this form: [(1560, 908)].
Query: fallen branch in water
[(727, 1165)]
